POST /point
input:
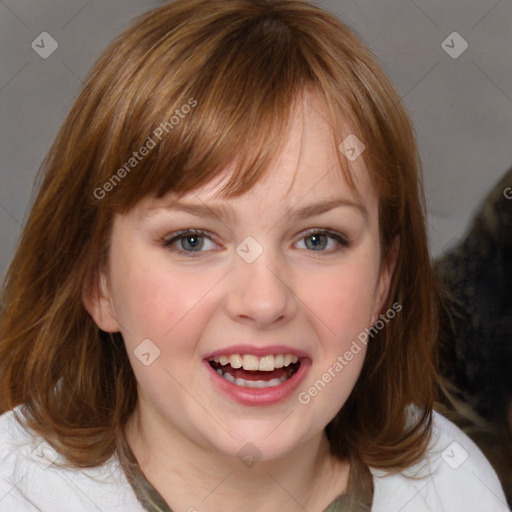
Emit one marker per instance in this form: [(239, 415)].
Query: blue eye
[(318, 240), (193, 242), (189, 242)]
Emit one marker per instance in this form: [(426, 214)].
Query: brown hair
[(240, 66)]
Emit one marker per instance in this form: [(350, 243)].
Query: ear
[(98, 303), (384, 281)]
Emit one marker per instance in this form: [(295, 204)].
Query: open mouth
[(251, 371)]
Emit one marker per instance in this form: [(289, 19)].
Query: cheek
[(332, 380), (170, 308), (153, 299), (342, 299)]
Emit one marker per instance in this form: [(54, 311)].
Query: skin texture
[(185, 433)]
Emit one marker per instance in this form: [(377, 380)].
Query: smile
[(250, 371), (264, 376)]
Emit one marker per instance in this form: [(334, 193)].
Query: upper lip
[(257, 351)]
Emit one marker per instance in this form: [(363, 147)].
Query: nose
[(260, 292)]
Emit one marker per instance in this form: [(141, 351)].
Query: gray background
[(461, 108)]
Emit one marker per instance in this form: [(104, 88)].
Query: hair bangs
[(199, 114)]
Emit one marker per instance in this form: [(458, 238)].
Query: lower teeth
[(260, 384)]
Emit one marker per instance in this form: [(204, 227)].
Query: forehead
[(309, 168)]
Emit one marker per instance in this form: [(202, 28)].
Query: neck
[(192, 477)]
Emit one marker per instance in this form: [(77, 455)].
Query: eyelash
[(180, 235)]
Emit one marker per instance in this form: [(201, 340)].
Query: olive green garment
[(358, 498)]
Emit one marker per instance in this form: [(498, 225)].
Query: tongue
[(240, 373)]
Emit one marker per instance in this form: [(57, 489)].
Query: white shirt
[(455, 477)]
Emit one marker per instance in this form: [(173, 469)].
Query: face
[(231, 310)]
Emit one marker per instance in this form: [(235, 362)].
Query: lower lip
[(254, 396)]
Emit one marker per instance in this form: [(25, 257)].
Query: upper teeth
[(251, 362)]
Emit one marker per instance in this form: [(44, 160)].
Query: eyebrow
[(324, 206), (221, 212)]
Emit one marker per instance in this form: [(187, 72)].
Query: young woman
[(223, 297)]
